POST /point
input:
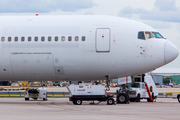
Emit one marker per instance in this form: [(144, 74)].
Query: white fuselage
[(110, 46)]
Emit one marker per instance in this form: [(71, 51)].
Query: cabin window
[(141, 35), (16, 39), (76, 38), (42, 38), (63, 38), (83, 38), (69, 38), (9, 39), (29, 39), (22, 39), (148, 35), (157, 35), (36, 38), (56, 38), (2, 39), (49, 38)]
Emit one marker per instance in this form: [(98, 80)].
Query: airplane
[(79, 48)]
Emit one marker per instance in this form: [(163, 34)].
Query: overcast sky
[(163, 15)]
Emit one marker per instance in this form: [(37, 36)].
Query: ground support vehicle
[(124, 94), (89, 92), (36, 94), (176, 96), (145, 89), (142, 92)]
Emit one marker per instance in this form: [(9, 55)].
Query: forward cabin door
[(103, 40)]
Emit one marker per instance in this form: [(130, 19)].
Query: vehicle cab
[(140, 88)]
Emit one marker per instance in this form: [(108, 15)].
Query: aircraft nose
[(170, 52)]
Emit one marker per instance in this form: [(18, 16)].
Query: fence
[(65, 94)]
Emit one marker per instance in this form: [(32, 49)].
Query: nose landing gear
[(107, 83)]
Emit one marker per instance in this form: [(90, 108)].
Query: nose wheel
[(107, 83)]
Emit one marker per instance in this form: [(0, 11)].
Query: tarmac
[(63, 109)]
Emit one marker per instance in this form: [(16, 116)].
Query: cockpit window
[(157, 35), (141, 35), (148, 35)]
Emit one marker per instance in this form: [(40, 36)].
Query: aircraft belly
[(6, 73), (95, 67), (32, 66)]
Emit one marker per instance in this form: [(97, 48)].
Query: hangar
[(159, 73)]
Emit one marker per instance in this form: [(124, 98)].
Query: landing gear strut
[(107, 82)]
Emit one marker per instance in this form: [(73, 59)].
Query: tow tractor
[(89, 92), (124, 93), (36, 94)]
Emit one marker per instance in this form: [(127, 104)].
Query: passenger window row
[(56, 38)]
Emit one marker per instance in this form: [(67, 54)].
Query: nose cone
[(170, 52)]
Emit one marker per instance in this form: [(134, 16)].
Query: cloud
[(164, 10), (166, 5), (158, 24), (43, 6)]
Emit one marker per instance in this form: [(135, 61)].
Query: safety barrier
[(11, 93), (66, 94)]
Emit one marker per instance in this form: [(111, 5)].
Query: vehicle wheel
[(148, 100), (138, 98), (78, 102), (179, 98), (26, 98), (44, 99), (110, 101), (153, 97), (122, 98)]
